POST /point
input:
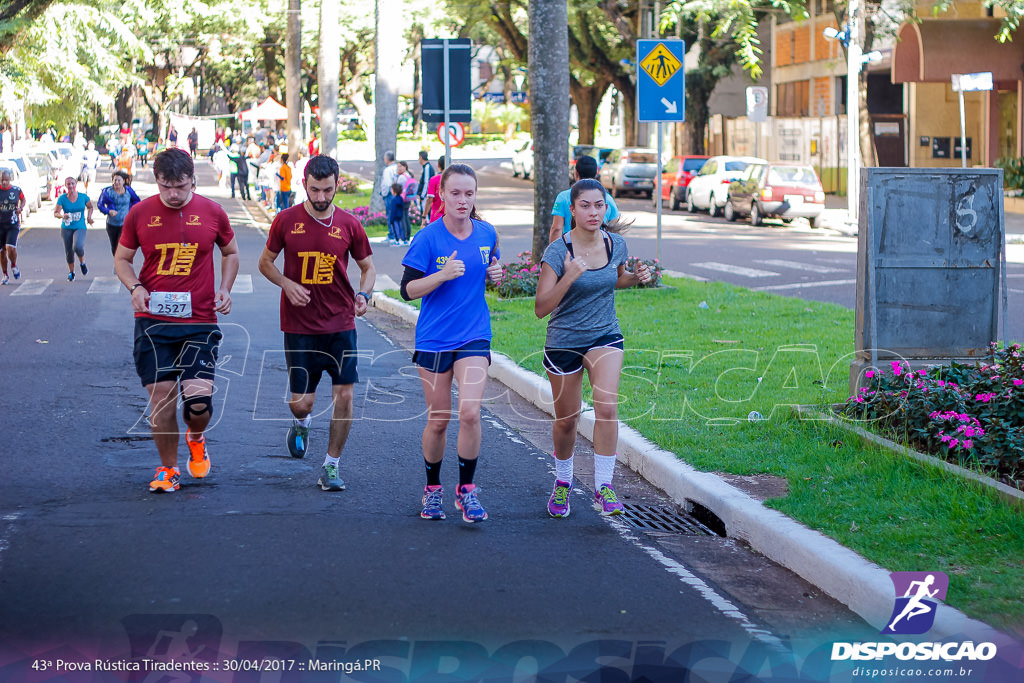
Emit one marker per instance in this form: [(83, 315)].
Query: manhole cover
[(661, 519)]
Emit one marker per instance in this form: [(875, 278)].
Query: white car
[(32, 185), (17, 181), (522, 160), (709, 189)]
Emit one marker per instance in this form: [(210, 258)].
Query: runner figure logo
[(917, 599)]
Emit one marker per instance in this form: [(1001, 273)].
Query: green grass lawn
[(692, 375), (354, 199)]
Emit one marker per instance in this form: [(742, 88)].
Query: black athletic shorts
[(168, 351), (570, 361), (442, 361), (9, 234), (310, 355)]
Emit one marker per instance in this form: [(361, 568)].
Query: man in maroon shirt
[(176, 306), (319, 306)]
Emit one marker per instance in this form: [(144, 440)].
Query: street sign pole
[(657, 246), (963, 133), (447, 106), (976, 82)]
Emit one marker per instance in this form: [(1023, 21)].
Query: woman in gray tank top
[(579, 275)]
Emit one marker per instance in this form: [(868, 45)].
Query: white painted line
[(724, 606), (801, 285), (676, 273), (7, 532), (243, 284), (1016, 291), (385, 282), (32, 287), (105, 285), (797, 265), (734, 270)]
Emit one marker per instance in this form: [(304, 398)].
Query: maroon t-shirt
[(177, 245), (316, 256)]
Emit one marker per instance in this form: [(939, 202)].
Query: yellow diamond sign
[(660, 64)]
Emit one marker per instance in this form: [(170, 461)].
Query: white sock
[(563, 469), (604, 467), (304, 422), (332, 461)]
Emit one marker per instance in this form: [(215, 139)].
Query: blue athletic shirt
[(456, 312), (74, 213)]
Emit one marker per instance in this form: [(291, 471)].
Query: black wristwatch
[(131, 290)]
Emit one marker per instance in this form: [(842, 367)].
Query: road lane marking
[(32, 287), (801, 285), (724, 606), (675, 273), (797, 265), (243, 284), (5, 537), (104, 285), (734, 270)]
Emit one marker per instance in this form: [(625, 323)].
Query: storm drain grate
[(661, 519)]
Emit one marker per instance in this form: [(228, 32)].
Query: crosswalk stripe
[(734, 270), (797, 265), (32, 287), (243, 284), (801, 285), (105, 285)]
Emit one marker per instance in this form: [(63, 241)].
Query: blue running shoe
[(433, 499), (558, 503), (329, 479), (466, 501), (17, 273), (606, 502), (298, 440)]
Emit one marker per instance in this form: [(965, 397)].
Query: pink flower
[(896, 368), (922, 372), (942, 383), (869, 374), (968, 444), (953, 443), (1018, 382)]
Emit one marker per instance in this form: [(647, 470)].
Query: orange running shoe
[(166, 480), (198, 457)]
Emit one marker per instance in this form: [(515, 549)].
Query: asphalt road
[(256, 567)]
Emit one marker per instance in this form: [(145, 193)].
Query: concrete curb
[(844, 575)]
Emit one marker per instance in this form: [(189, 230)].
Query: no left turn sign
[(456, 134)]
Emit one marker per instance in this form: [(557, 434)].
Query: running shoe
[(166, 480), (198, 456), (17, 273), (4, 281), (606, 502), (85, 268), (298, 440), (433, 500), (329, 479), (71, 277), (558, 503), (466, 501)]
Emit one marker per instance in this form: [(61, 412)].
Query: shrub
[(634, 261), (347, 184), (520, 276), (969, 414), (366, 218)]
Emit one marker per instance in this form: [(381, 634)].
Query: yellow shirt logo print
[(176, 258), (317, 268)]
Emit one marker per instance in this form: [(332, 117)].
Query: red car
[(676, 175)]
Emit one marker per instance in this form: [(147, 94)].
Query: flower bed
[(521, 276), (367, 218), (971, 415)]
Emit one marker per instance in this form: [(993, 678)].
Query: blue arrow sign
[(660, 80)]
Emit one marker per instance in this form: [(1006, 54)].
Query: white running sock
[(304, 422), (332, 461), (563, 470), (604, 467)]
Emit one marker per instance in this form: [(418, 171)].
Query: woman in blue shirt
[(447, 266), (71, 208), (114, 203)]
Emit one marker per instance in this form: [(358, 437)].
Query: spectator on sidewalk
[(434, 208), (586, 167)]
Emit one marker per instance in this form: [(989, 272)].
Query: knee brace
[(195, 406)]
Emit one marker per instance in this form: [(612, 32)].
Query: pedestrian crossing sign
[(660, 64)]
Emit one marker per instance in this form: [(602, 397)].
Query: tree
[(293, 74), (328, 71), (549, 99), (385, 91), (17, 16)]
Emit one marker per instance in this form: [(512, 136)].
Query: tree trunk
[(270, 41), (123, 105), (587, 100), (293, 76), (549, 104), (328, 74), (390, 48), (628, 90)]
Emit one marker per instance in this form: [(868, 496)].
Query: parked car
[(709, 188), (777, 190), (632, 169), (599, 153), (522, 160), (16, 179), (676, 176), (48, 169), (32, 184)]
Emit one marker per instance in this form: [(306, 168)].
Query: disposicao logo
[(917, 598)]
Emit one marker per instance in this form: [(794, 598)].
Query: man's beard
[(320, 207)]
